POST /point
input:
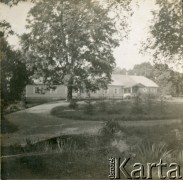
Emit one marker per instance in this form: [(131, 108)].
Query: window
[(116, 91), (39, 90)]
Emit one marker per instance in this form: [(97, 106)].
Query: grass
[(86, 157), (123, 110), (7, 127), (67, 160)]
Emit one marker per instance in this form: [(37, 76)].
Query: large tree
[(169, 81), (14, 75), (71, 42)]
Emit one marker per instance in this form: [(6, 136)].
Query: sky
[(126, 55)]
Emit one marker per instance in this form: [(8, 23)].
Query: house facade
[(120, 87)]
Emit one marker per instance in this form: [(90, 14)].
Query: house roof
[(122, 80), (130, 81)]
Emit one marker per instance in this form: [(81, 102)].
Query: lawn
[(121, 110), (86, 157)]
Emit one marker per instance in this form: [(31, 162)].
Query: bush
[(108, 131), (89, 107), (102, 106), (149, 100), (136, 110), (137, 105), (73, 104), (162, 105)]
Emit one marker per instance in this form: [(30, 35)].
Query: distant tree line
[(169, 81)]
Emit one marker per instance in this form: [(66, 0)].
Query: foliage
[(137, 105), (5, 29), (118, 70), (70, 42), (148, 152), (170, 82), (162, 105), (143, 69), (14, 75), (102, 105), (108, 131), (14, 2), (73, 104), (149, 101), (166, 32), (7, 127), (89, 107)]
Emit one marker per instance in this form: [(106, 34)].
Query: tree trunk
[(69, 93)]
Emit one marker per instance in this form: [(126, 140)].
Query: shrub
[(113, 111), (162, 105), (73, 104), (67, 145), (149, 100), (136, 110), (108, 131), (102, 106), (89, 107), (137, 105)]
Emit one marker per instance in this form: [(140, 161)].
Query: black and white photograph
[(91, 89)]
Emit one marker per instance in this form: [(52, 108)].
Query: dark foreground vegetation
[(86, 157)]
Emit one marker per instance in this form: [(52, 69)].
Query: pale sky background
[(126, 55)]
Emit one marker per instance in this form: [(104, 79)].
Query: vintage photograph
[(91, 89)]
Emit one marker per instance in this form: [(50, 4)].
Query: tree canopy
[(70, 42), (167, 32), (14, 75)]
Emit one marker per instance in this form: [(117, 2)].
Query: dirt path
[(38, 124)]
